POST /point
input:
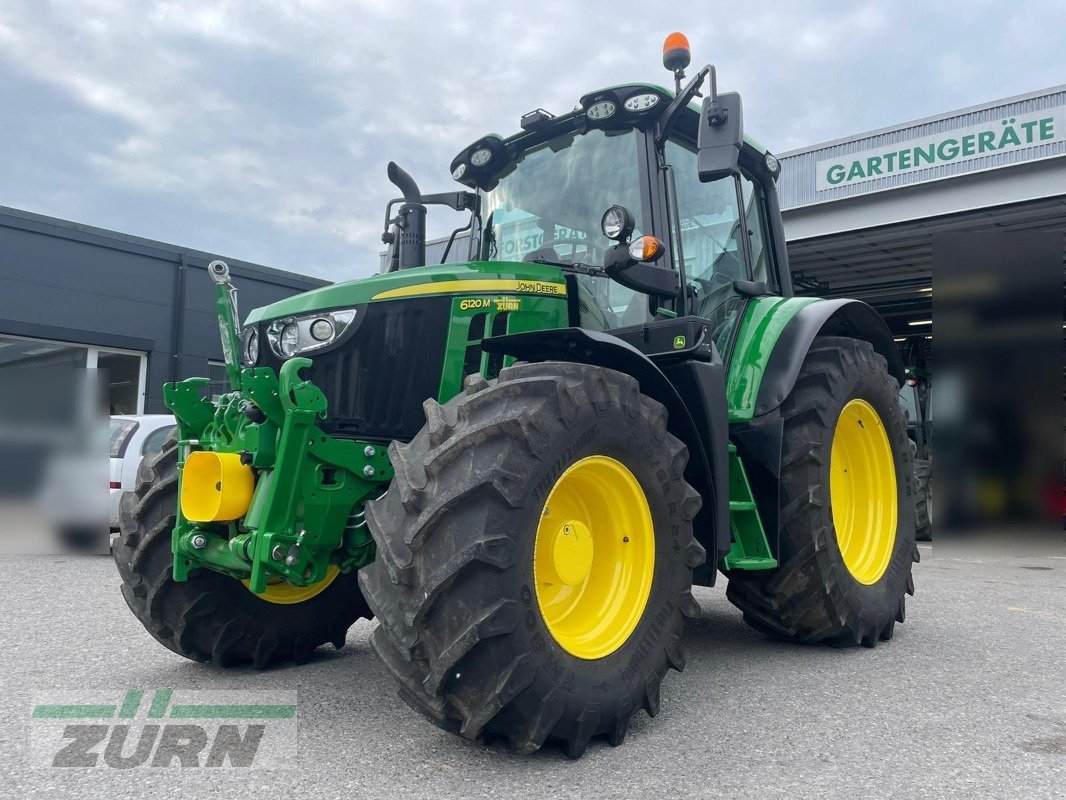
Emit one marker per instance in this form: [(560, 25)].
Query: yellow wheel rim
[(862, 488), (284, 593), (594, 557)]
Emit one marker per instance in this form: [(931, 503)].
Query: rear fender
[(851, 318), (773, 343)]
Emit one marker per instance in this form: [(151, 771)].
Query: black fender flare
[(711, 525), (852, 318)]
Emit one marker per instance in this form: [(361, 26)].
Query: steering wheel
[(593, 250)]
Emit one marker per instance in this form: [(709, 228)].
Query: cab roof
[(503, 151)]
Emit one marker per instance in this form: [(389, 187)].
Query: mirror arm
[(640, 276), (457, 201), (673, 111), (451, 239)]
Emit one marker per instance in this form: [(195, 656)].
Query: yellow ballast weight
[(215, 487)]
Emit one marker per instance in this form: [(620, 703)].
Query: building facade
[(75, 296)]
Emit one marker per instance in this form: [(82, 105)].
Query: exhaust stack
[(410, 221)]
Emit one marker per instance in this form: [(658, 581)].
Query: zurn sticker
[(163, 728)]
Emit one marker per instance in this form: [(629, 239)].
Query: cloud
[(261, 131)]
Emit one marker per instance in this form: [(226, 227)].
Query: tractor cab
[(625, 194)]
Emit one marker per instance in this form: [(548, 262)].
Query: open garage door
[(891, 267)]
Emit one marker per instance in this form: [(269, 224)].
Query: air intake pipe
[(410, 221)]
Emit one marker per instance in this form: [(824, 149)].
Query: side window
[(755, 214), (153, 442)]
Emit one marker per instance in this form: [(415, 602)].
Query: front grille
[(376, 379)]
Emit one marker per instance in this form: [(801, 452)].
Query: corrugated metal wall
[(798, 183)]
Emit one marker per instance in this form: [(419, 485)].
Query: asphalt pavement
[(968, 701)]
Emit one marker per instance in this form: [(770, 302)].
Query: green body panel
[(750, 549), (541, 279), (760, 328), (497, 314)]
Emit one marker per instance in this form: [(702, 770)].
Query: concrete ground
[(966, 701)]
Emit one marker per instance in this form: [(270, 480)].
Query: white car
[(133, 437)]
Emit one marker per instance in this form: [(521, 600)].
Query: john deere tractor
[(520, 464)]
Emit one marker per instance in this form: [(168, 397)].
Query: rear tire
[(813, 596), (462, 627), (211, 616), (923, 504)]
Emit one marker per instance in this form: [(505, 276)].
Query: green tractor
[(521, 464)]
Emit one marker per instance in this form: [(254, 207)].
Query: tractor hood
[(475, 277)]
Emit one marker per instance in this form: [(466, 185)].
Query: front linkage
[(265, 495)]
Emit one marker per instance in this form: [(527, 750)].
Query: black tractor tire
[(211, 616), (923, 499), (812, 597), (452, 585)]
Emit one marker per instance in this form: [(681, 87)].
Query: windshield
[(549, 208)]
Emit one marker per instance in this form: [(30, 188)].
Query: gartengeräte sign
[(965, 144)]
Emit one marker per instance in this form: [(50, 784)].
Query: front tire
[(211, 616), (486, 630), (847, 506)]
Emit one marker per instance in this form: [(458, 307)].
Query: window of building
[(121, 372)]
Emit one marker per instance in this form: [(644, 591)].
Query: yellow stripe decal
[(471, 286)]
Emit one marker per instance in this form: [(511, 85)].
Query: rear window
[(121, 431)]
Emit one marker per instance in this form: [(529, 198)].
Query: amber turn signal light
[(645, 248)]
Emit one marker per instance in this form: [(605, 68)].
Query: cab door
[(722, 241)]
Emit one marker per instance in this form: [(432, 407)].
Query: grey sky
[(261, 130)]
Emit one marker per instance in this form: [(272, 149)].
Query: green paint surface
[(233, 711), (74, 712), (750, 548), (357, 292), (760, 328)]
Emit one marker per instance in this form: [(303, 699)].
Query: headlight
[(481, 157), (600, 110), (290, 340), (292, 336), (617, 223), (641, 102), (250, 346), (322, 330)]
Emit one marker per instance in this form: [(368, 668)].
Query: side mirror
[(721, 135)]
